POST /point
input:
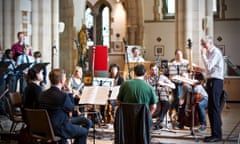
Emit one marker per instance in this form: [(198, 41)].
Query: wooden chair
[(15, 105), (40, 126)]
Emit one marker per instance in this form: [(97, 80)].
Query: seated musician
[(180, 62), (114, 72), (161, 85), (201, 100), (76, 85)]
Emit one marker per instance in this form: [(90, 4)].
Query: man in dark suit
[(59, 104)]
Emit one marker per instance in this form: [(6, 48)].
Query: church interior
[(95, 34)]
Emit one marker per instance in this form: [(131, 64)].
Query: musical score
[(179, 78)]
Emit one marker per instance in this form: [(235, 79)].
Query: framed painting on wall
[(117, 47), (159, 50)]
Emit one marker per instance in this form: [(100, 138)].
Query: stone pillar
[(156, 10), (181, 18), (17, 17), (188, 30), (55, 34), (132, 35), (45, 29), (209, 17), (9, 37), (190, 14), (35, 23)]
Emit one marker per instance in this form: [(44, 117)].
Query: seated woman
[(76, 85), (114, 72), (33, 89)]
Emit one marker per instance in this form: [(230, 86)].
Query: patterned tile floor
[(104, 135)]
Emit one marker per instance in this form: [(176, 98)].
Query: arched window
[(169, 9), (89, 21), (105, 27)]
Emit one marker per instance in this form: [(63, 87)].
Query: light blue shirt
[(24, 59), (214, 63)]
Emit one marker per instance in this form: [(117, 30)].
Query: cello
[(190, 117)]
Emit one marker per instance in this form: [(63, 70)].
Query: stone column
[(209, 17), (55, 34), (132, 34), (188, 29), (35, 23), (9, 37), (45, 33), (181, 19)]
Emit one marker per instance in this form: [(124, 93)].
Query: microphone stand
[(126, 53)]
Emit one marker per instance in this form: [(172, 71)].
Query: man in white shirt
[(214, 64)]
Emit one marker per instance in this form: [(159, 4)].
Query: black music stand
[(193, 108), (4, 64), (23, 66), (192, 83)]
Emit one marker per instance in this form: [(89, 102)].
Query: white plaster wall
[(164, 30), (230, 33)]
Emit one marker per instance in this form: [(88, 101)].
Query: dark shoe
[(157, 127), (212, 139), (202, 128), (177, 127)]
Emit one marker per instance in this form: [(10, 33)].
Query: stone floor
[(104, 135)]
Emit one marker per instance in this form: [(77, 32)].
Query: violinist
[(114, 72), (76, 85), (200, 99), (162, 85)]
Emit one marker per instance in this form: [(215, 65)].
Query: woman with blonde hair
[(76, 85)]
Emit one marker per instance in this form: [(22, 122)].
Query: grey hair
[(208, 39)]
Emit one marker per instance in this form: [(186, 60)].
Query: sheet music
[(114, 94), (185, 80), (94, 95)]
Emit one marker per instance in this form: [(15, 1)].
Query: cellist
[(200, 100)]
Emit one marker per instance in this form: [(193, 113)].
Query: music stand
[(94, 95), (23, 66), (192, 84), (4, 64)]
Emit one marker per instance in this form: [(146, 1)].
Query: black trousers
[(214, 89)]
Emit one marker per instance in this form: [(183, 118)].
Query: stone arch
[(98, 19)]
